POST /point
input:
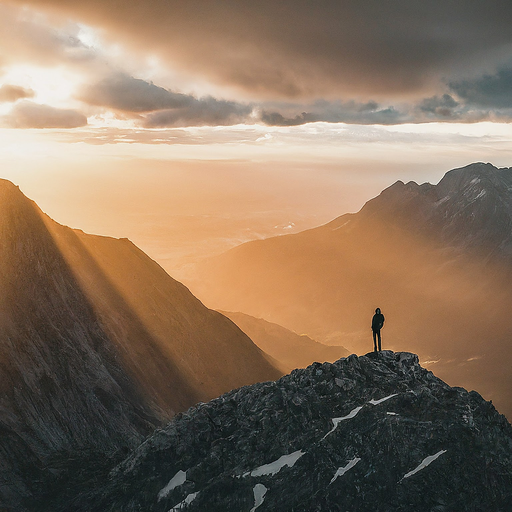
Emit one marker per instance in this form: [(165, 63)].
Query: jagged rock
[(399, 439)]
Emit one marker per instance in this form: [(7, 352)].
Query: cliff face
[(94, 357), (376, 432)]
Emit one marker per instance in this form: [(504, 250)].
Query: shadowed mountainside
[(290, 349), (98, 346), (437, 259), (376, 432)]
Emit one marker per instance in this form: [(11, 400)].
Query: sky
[(192, 126)]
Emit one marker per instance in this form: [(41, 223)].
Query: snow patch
[(474, 181), (424, 463), (344, 469), (259, 491), (189, 499), (178, 479), (274, 467), (377, 402), (481, 194), (392, 413), (337, 421)]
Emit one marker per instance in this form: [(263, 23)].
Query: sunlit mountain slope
[(435, 258), (98, 346)]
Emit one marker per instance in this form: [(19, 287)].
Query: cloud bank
[(10, 93), (295, 49), (27, 114)]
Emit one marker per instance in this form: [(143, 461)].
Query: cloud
[(11, 93), (26, 36), (164, 108), (202, 112), (350, 112), (27, 114), (487, 91), (288, 49), (442, 108), (123, 92)]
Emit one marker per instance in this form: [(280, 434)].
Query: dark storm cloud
[(366, 49), (27, 114), (124, 92), (10, 93), (440, 108), (487, 91)]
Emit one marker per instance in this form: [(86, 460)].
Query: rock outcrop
[(370, 433)]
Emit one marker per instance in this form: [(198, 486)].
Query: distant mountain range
[(376, 432), (98, 346), (437, 259), (289, 349)]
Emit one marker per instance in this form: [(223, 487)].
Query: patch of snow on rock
[(259, 495), (274, 467), (178, 479), (187, 501), (424, 463), (337, 421), (344, 469), (376, 402)]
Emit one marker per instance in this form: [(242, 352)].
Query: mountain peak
[(484, 174)]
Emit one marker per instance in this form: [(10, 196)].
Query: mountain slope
[(365, 433), (290, 349), (85, 370), (434, 258)]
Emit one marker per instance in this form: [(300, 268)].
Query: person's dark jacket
[(377, 321)]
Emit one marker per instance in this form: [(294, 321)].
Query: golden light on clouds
[(298, 115)]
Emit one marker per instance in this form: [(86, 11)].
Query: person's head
[(377, 311)]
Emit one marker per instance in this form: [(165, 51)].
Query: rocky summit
[(370, 433)]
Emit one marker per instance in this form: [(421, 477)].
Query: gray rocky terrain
[(372, 433)]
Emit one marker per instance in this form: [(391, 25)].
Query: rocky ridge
[(470, 208), (369, 433)]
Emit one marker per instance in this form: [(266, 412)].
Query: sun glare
[(52, 86)]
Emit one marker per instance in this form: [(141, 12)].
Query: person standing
[(377, 324)]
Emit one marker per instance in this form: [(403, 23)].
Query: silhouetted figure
[(377, 323)]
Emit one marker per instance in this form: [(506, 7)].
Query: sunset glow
[(97, 104)]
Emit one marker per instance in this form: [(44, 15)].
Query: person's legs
[(378, 336), (374, 341)]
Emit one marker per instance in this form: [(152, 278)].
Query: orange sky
[(189, 127)]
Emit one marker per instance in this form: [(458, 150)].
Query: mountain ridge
[(98, 346), (374, 432), (439, 269)]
